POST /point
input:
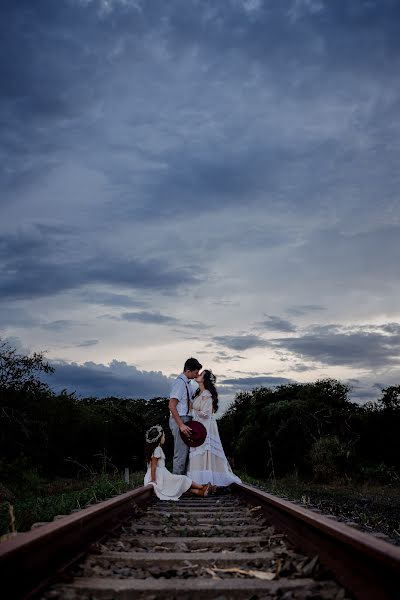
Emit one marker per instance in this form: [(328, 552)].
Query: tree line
[(316, 431), (313, 429), (61, 434)]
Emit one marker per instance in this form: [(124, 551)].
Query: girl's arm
[(154, 462)]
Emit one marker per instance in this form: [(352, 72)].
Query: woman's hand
[(203, 415)]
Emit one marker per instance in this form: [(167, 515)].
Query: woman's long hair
[(209, 380)]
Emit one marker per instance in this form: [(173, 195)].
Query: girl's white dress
[(168, 486), (208, 462)]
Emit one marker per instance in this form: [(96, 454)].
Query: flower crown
[(211, 376), (154, 433)]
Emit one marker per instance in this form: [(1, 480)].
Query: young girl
[(167, 486), (208, 461)]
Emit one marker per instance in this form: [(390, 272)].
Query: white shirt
[(178, 391)]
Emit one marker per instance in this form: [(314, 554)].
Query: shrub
[(328, 457)]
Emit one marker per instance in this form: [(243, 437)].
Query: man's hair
[(192, 364)]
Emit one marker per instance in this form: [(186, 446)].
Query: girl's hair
[(148, 451), (153, 438), (209, 380)]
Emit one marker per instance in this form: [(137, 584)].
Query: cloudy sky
[(192, 177)]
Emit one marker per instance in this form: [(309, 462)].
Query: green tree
[(280, 425), (20, 372)]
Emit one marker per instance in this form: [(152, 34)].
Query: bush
[(381, 474), (328, 458)]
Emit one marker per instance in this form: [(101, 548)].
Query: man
[(180, 413)]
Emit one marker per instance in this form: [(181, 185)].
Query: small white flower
[(154, 433)]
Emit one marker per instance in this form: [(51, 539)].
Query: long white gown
[(168, 486), (208, 462)]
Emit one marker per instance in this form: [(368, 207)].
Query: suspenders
[(187, 392)]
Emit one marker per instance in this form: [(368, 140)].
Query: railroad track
[(243, 544)]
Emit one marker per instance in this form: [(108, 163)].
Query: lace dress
[(208, 462), (168, 486)]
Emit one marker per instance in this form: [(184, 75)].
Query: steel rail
[(368, 567), (29, 560)]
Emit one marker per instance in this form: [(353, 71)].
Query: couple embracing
[(199, 464)]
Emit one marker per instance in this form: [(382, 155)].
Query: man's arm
[(172, 407)]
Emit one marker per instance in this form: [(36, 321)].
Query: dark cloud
[(15, 316), (362, 391), (117, 379), (30, 269), (149, 317), (393, 328), (274, 323), (343, 256), (183, 334), (223, 357), (301, 368), (241, 342), (32, 242), (217, 178), (56, 91), (357, 348), (59, 325), (156, 318), (88, 343), (111, 299), (252, 382), (364, 346), (304, 309)]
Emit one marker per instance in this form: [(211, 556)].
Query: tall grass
[(35, 508)]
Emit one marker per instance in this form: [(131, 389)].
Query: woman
[(208, 462), (167, 486)]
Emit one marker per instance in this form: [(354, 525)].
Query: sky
[(200, 178)]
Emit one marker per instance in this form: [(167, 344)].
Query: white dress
[(208, 462), (168, 486)]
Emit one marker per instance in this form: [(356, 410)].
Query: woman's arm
[(154, 462), (205, 410)]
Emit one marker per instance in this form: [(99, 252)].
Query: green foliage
[(328, 456), (391, 398), (20, 372), (313, 429), (61, 435), (41, 508), (369, 505), (380, 474)]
